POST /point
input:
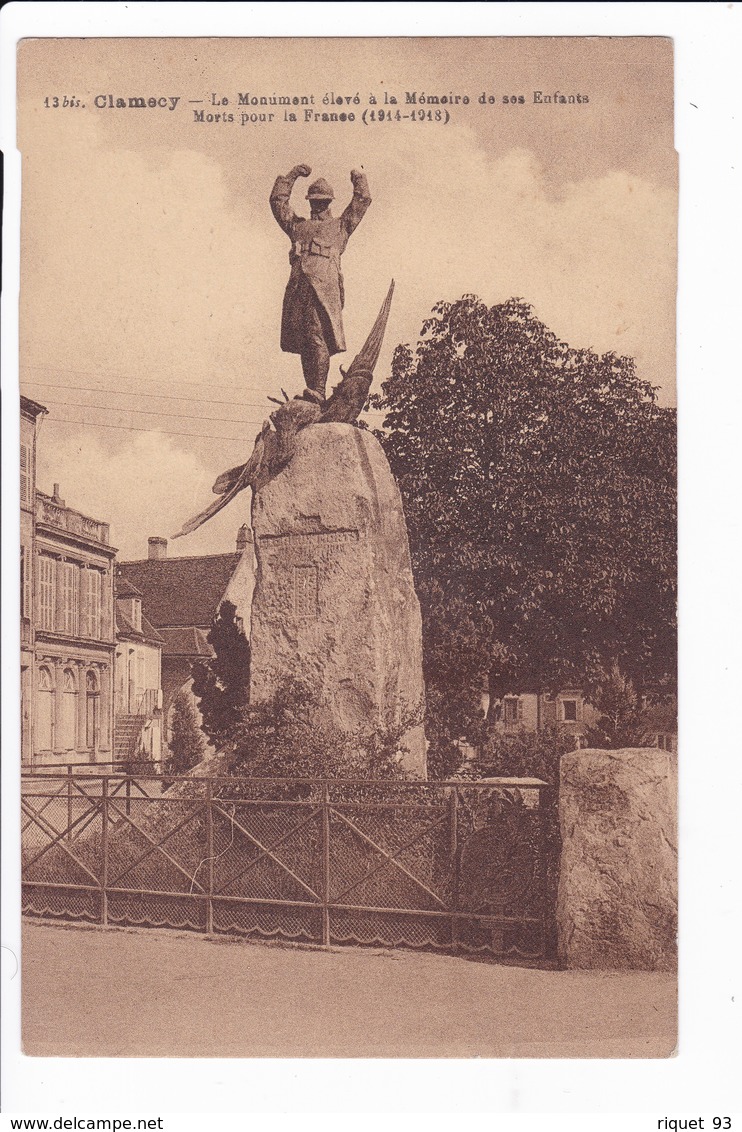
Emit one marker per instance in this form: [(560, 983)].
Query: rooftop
[(182, 592), (32, 408), (125, 628), (185, 642)]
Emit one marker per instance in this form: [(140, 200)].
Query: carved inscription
[(306, 591), (311, 538), (300, 564)]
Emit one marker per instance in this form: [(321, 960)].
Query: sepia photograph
[(348, 548), (370, 655)]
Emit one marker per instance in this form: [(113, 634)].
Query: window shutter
[(25, 473), (105, 607), (70, 591), (520, 709), (85, 610), (26, 582), (46, 591), (86, 602), (96, 579)]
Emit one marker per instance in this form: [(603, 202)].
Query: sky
[(152, 270)]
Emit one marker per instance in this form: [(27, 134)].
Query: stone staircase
[(126, 737)]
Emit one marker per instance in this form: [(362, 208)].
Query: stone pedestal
[(617, 902), (334, 602)]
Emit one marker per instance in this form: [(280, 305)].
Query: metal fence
[(450, 866)]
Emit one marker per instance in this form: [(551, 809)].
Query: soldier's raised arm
[(356, 210), (280, 194)]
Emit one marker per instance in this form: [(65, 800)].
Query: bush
[(289, 736), (521, 754), (187, 744)]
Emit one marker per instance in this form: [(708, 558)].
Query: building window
[(91, 711), (47, 591), (44, 711), (512, 709), (70, 598), (91, 603), (68, 736), (569, 711), (26, 474)]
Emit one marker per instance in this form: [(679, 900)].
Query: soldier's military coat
[(316, 248)]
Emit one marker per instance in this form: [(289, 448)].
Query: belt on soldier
[(313, 248)]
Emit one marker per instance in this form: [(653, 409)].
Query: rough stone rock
[(334, 601), (617, 899)]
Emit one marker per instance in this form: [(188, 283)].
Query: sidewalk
[(89, 992)]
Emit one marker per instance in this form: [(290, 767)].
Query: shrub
[(187, 744)]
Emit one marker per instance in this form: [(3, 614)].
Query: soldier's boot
[(315, 364)]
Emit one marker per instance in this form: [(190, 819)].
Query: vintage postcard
[(348, 547)]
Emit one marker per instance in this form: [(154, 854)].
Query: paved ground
[(108, 993)]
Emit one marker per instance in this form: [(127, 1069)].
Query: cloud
[(147, 485), (596, 258), (144, 273)]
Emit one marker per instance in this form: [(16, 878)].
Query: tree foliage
[(539, 490), (222, 682), (187, 745)]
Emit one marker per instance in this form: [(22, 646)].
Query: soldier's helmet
[(320, 190)]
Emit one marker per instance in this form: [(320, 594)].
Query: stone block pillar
[(617, 900)]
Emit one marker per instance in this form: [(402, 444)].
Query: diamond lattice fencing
[(467, 867)]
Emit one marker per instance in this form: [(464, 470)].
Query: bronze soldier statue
[(311, 323)]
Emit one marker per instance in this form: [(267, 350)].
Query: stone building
[(137, 679), (572, 713), (73, 645), (32, 413), (532, 711), (181, 596)]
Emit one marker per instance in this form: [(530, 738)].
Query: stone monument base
[(334, 603)]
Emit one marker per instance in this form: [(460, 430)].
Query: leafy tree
[(187, 743), (539, 490), (222, 682)]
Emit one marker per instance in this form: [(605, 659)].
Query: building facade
[(74, 644), (181, 597), (32, 413), (137, 679), (566, 709)]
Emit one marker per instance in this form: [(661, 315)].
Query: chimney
[(157, 547), (244, 538)]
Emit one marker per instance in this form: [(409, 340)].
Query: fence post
[(325, 864), (128, 796), (69, 803), (209, 860), (453, 805), (104, 854)]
